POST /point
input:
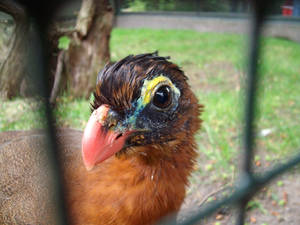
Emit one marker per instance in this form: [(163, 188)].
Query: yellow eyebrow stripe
[(149, 85)]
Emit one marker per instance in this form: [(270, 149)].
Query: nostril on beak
[(119, 135)]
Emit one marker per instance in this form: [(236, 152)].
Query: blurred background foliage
[(192, 6)]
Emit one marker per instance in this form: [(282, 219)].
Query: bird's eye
[(162, 97)]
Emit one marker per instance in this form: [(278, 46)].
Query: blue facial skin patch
[(148, 90)]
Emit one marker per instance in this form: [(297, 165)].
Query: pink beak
[(98, 144)]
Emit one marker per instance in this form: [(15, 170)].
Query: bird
[(129, 166)]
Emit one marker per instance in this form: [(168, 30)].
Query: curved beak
[(98, 142)]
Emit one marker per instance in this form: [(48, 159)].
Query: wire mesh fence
[(247, 184)]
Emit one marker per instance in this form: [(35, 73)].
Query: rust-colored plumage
[(146, 179)]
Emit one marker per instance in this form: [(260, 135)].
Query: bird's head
[(140, 101)]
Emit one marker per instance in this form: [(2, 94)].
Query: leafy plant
[(64, 42)]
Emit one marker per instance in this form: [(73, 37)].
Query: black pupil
[(162, 97)]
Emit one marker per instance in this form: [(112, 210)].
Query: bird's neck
[(171, 163), (155, 181)]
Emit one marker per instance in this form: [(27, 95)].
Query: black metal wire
[(41, 13), (38, 61), (252, 82)]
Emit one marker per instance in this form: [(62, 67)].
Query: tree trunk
[(89, 48), (12, 70)]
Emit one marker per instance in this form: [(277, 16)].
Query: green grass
[(184, 46), (215, 64)]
